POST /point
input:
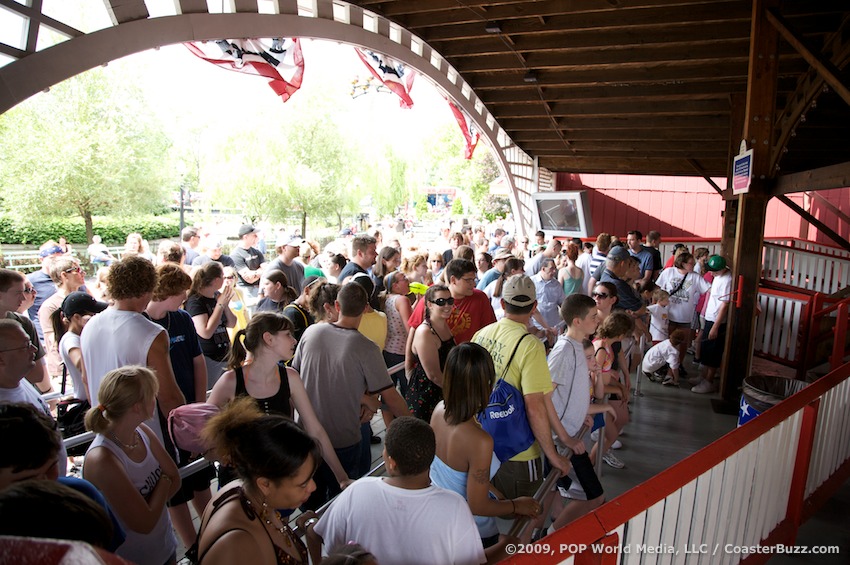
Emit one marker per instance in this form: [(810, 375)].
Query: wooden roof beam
[(825, 68)]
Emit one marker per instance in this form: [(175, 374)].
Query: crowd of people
[(297, 349)]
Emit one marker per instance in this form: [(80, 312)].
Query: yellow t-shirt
[(528, 372), (374, 326)]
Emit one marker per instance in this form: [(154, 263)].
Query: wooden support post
[(737, 102), (752, 206)]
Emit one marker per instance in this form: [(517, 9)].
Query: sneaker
[(705, 387), (617, 444), (693, 381), (668, 381), (594, 435), (612, 460)]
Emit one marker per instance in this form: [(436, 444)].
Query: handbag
[(505, 418), (71, 418), (185, 424)]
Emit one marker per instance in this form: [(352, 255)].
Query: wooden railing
[(810, 270), (740, 499)]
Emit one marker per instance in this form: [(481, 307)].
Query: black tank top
[(277, 404)]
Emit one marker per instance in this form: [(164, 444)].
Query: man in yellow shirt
[(529, 373)]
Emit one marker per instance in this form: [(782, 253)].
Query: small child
[(658, 315), (664, 356)]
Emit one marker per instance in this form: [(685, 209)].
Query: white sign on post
[(742, 170)]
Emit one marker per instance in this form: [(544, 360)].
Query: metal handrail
[(521, 523)]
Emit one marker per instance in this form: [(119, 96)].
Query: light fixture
[(492, 27), (530, 78)]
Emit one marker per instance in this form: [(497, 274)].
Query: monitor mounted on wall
[(563, 214)]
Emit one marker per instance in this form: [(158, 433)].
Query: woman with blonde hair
[(416, 268), (129, 465)]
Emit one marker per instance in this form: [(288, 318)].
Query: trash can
[(762, 392)]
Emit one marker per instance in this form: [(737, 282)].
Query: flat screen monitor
[(563, 214)]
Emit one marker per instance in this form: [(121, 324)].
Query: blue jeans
[(327, 486)]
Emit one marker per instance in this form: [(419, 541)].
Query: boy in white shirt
[(664, 355), (570, 362), (658, 315), (431, 525), (714, 332)]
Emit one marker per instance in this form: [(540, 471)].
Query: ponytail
[(60, 326), (238, 353)]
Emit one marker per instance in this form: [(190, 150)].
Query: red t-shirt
[(469, 314)]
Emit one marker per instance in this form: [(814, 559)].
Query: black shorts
[(195, 482), (585, 474), (711, 354)]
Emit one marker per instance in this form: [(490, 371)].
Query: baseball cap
[(365, 281), (245, 229), (293, 241), (50, 251), (345, 232), (715, 263), (618, 254), (79, 302), (519, 290)]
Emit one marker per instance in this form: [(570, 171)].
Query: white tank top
[(113, 339), (156, 547)]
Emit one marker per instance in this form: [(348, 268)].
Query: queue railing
[(740, 499), (811, 270)]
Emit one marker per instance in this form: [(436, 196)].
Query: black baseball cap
[(82, 303)]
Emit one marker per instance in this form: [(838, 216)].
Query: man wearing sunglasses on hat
[(471, 311)]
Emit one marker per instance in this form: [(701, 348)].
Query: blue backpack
[(505, 418)]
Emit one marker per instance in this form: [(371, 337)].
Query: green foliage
[(86, 147), (385, 179), (445, 165), (496, 207), (457, 207), (113, 230)]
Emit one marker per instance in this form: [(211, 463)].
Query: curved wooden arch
[(38, 71)]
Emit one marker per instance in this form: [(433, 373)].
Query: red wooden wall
[(690, 207)]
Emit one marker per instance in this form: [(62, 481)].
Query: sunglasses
[(73, 270), (443, 301), (601, 295)]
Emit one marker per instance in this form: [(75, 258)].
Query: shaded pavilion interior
[(607, 86)]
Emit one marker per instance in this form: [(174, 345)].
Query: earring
[(264, 515)]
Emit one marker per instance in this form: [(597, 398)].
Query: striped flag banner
[(467, 128), (279, 60), (391, 73)]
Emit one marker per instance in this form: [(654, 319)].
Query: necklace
[(132, 446), (284, 529)]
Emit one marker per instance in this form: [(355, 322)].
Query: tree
[(446, 166), (88, 146)]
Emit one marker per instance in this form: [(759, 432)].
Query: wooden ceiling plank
[(554, 14), (708, 53), (595, 39), (652, 108), (648, 19)]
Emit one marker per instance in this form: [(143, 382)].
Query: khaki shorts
[(519, 478)]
